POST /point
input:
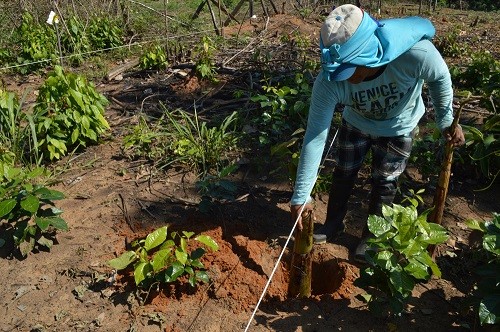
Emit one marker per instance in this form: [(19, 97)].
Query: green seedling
[(166, 257)]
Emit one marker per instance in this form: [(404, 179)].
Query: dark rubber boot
[(337, 209)]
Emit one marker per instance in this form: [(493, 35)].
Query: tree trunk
[(301, 266)]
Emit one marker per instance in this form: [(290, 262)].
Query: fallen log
[(122, 68)]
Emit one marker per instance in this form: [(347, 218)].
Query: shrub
[(398, 256), (69, 113), (27, 208)]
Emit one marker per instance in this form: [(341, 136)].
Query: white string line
[(289, 236), (105, 49)]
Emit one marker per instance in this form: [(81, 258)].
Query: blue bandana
[(374, 44)]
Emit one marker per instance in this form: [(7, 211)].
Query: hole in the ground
[(327, 277)]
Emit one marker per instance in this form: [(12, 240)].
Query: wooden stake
[(436, 215), (301, 266)]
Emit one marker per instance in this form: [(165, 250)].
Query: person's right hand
[(295, 209)]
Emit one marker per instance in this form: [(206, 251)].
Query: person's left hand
[(457, 138)]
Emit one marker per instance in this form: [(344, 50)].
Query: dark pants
[(389, 158)]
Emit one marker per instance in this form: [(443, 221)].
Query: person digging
[(375, 70)]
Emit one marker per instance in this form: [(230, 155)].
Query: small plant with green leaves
[(205, 64), (199, 146), (145, 140), (37, 42), (69, 113), (154, 58), (166, 257), (27, 212), (216, 188), (398, 257), (104, 33), (482, 75), (75, 41), (450, 44), (424, 154), (484, 147), (488, 287), (284, 109)]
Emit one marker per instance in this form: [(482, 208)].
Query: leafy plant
[(69, 113), (37, 43), (196, 144), (450, 44), (488, 287), (145, 141), (284, 109), (214, 188), (398, 256), (104, 33), (166, 257), (27, 211), (205, 65), (424, 154), (154, 58), (484, 146), (482, 75), (75, 41)]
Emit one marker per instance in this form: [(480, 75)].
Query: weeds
[(199, 146)]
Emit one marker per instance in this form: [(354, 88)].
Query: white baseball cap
[(337, 28)]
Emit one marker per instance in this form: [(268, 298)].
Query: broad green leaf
[(435, 234), (425, 259), (402, 282), (411, 248), (155, 238), (475, 224), (208, 241), (123, 261), (173, 272), (48, 194), (181, 256), (58, 223), (417, 269), (192, 280), (167, 244), (30, 204), (189, 270), (197, 253), (386, 260), (7, 206), (183, 244), (203, 276), (188, 234), (42, 223), (141, 272), (378, 225), (196, 263), (489, 309), (160, 259), (491, 242)]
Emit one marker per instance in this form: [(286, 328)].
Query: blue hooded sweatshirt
[(389, 105)]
